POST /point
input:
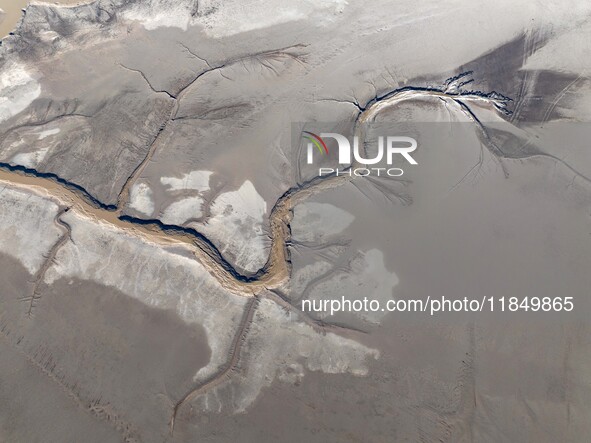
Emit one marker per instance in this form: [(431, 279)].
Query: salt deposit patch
[(140, 199), (225, 18), (280, 346), (161, 14), (153, 274), (18, 89), (236, 223), (367, 277), (222, 19), (30, 159), (48, 132), (179, 212), (27, 228), (197, 180)]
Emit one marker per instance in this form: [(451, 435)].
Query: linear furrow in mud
[(231, 363)]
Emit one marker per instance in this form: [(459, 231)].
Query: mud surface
[(161, 229), (12, 12)]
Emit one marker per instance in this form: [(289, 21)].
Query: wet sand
[(13, 10)]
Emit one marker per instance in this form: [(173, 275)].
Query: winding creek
[(277, 269)]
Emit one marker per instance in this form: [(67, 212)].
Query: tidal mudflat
[(161, 227)]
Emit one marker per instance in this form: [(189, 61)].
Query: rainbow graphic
[(317, 140)]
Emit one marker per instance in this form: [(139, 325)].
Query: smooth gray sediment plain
[(160, 229)]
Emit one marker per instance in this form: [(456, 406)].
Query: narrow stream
[(278, 266)]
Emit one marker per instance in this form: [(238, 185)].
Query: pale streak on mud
[(230, 365), (49, 260)]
